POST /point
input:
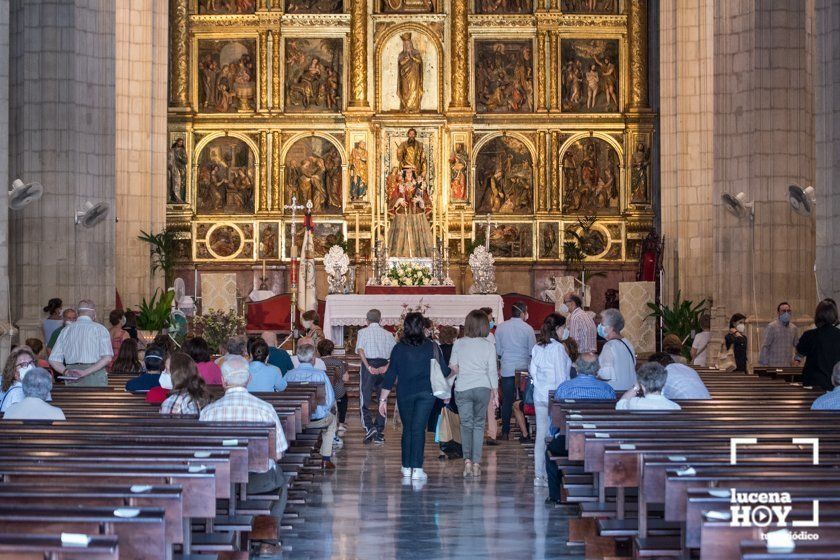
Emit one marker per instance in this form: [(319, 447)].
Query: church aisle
[(364, 510)]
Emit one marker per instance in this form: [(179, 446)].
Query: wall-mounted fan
[(801, 200), (737, 205), (91, 214), (22, 194)]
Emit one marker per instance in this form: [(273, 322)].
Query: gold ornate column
[(263, 194), (179, 36), (460, 55), (637, 36), (276, 199), (555, 172), (358, 54), (541, 70), (542, 185), (263, 71), (275, 71), (553, 70)]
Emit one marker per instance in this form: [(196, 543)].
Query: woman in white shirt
[(646, 394), (550, 365), (618, 358), (473, 359), (20, 361)]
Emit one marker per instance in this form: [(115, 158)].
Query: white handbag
[(441, 386)]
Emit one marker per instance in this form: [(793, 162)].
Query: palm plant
[(682, 318), (162, 247), (154, 314)]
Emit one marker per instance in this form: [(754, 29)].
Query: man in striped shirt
[(581, 326), (83, 349)]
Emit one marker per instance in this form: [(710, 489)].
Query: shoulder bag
[(441, 386)]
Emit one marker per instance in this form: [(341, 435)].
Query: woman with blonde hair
[(189, 391), (20, 361)]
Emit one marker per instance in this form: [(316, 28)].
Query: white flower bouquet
[(409, 274)]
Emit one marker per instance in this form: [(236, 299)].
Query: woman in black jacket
[(821, 347), (737, 340), (410, 368)]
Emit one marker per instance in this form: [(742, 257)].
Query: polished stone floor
[(364, 510)]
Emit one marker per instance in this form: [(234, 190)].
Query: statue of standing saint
[(410, 85)]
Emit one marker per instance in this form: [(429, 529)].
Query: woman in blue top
[(410, 368), (265, 378)]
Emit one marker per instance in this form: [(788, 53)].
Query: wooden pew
[(38, 547)]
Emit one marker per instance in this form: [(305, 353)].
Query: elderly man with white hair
[(37, 384), (618, 358), (238, 405), (323, 416), (83, 349)]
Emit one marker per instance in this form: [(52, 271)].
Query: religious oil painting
[(314, 6), (224, 241), (227, 76), (226, 7), (269, 244), (313, 172), (409, 74), (549, 240), (640, 173), (325, 235), (589, 75), (592, 241), (508, 240), (590, 6), (503, 7), (459, 167), (504, 177), (358, 168), (313, 75), (591, 177), (225, 181), (504, 77), (408, 6)]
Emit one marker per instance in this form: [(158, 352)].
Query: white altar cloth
[(350, 309)]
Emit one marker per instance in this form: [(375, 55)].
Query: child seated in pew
[(189, 390), (646, 394)]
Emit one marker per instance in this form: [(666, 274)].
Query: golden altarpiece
[(409, 122)]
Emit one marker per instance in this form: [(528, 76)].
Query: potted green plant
[(154, 315), (682, 318), (162, 252)]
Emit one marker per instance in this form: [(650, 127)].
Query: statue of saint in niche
[(409, 201), (410, 83)]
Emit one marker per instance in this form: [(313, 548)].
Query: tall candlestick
[(263, 269), (462, 232)]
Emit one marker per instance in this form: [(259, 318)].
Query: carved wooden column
[(542, 184), (179, 36), (358, 54), (263, 71), (555, 171), (276, 198), (541, 71), (460, 55), (275, 71), (553, 70), (637, 36), (263, 194)]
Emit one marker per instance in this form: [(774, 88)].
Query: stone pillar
[(554, 171), (276, 87), (276, 186), (542, 187), (553, 65), (637, 37), (459, 40), (263, 171), (5, 319), (263, 78), (141, 142), (178, 52), (541, 71), (358, 54), (62, 135)]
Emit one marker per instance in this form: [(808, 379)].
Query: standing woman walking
[(410, 368), (550, 366), (474, 361)]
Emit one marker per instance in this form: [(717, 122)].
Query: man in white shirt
[(83, 349), (37, 384), (700, 344), (514, 340), (373, 345), (618, 358), (683, 382), (580, 323), (647, 393)]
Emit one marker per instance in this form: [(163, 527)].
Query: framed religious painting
[(589, 75), (459, 168), (314, 75), (359, 166), (590, 6), (409, 74), (548, 240), (504, 177), (591, 177), (226, 72), (225, 176), (268, 242), (314, 6), (508, 240), (313, 172), (504, 76), (223, 241), (326, 234)]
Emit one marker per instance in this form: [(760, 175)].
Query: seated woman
[(265, 378), (20, 361), (37, 348), (148, 375), (37, 385), (646, 394), (311, 329), (198, 349), (189, 391)]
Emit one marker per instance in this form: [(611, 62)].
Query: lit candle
[(263, 269), (462, 232)]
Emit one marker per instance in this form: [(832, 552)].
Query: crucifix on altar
[(294, 207)]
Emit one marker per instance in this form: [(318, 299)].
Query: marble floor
[(365, 510)]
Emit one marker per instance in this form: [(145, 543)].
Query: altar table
[(350, 309), (410, 290)]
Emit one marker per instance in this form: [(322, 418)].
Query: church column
[(276, 197), (554, 172), (178, 49), (553, 57), (542, 187), (263, 194), (276, 89), (637, 37), (358, 54), (459, 40), (5, 319), (541, 71), (263, 77)]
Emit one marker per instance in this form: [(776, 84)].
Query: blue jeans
[(414, 413)]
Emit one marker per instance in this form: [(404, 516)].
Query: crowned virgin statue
[(409, 202)]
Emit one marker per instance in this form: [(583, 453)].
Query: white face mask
[(307, 324), (24, 370), (122, 321), (741, 328), (564, 334), (564, 309), (165, 380)]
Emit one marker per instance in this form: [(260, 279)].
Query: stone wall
[(5, 320)]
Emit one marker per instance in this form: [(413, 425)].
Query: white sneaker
[(418, 474), (540, 482), (406, 472), (338, 443), (342, 429)]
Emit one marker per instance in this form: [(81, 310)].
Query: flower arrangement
[(421, 308), (218, 326), (408, 274)]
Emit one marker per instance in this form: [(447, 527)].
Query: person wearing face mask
[(311, 330), (83, 350), (118, 335), (618, 357), (736, 340), (821, 347), (20, 362), (550, 366), (581, 326), (514, 341), (53, 320), (68, 317), (36, 387), (780, 339)]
